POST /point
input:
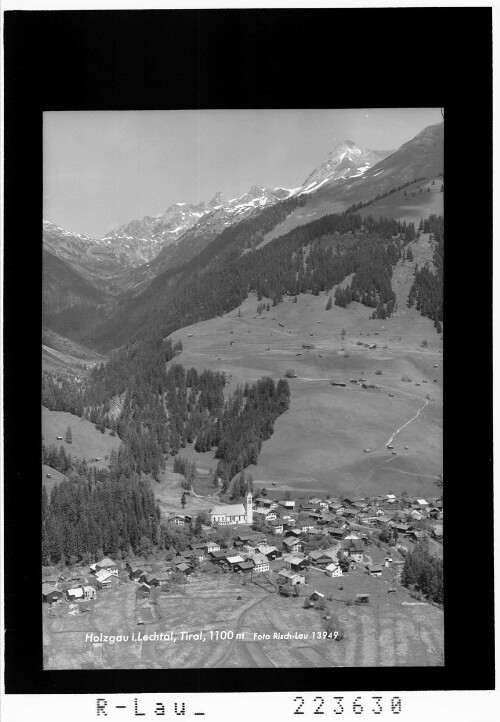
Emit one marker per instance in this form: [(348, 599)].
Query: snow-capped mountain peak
[(346, 160)]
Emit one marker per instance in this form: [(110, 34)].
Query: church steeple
[(249, 508)]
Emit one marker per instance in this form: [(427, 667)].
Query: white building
[(227, 514)]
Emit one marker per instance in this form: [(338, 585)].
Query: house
[(294, 531), (291, 544), (156, 579), (145, 588), (270, 552), (309, 507), (319, 558), (184, 568), (74, 594), (106, 580), (336, 532), (290, 578), (244, 567), (287, 504), (108, 565), (233, 560), (211, 547), (50, 594), (265, 514), (230, 514), (374, 570), (135, 571), (276, 526), (181, 520), (336, 507), (89, 593), (261, 563), (354, 548), (306, 528), (333, 570), (416, 535), (295, 563)]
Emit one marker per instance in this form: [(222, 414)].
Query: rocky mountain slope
[(420, 157)]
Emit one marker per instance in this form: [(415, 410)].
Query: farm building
[(270, 552), (291, 578), (374, 570), (50, 594), (244, 567), (295, 563)]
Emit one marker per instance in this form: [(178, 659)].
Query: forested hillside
[(427, 289)]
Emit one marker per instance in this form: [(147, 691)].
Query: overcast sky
[(102, 169)]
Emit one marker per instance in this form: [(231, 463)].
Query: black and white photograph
[(224, 350), (242, 389)]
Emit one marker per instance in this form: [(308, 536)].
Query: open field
[(55, 477), (168, 492), (318, 444), (88, 443), (391, 631)]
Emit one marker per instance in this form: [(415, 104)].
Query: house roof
[(49, 589), (260, 559), (276, 522), (288, 573), (291, 541), (103, 576), (235, 560), (182, 567), (374, 568), (77, 592), (295, 560), (331, 567), (264, 549), (246, 565), (106, 562), (229, 510)]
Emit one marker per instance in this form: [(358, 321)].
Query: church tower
[(249, 509)]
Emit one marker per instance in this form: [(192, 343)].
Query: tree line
[(426, 292)]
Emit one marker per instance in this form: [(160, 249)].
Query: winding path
[(406, 424)]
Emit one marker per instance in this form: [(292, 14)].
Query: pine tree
[(329, 303), (69, 435)]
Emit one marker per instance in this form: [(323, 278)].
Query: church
[(227, 514)]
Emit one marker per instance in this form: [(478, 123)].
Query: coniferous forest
[(426, 292), (156, 406)]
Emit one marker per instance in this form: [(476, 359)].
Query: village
[(317, 550)]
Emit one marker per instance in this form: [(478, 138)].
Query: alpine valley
[(246, 394)]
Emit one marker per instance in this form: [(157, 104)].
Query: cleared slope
[(319, 443)]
